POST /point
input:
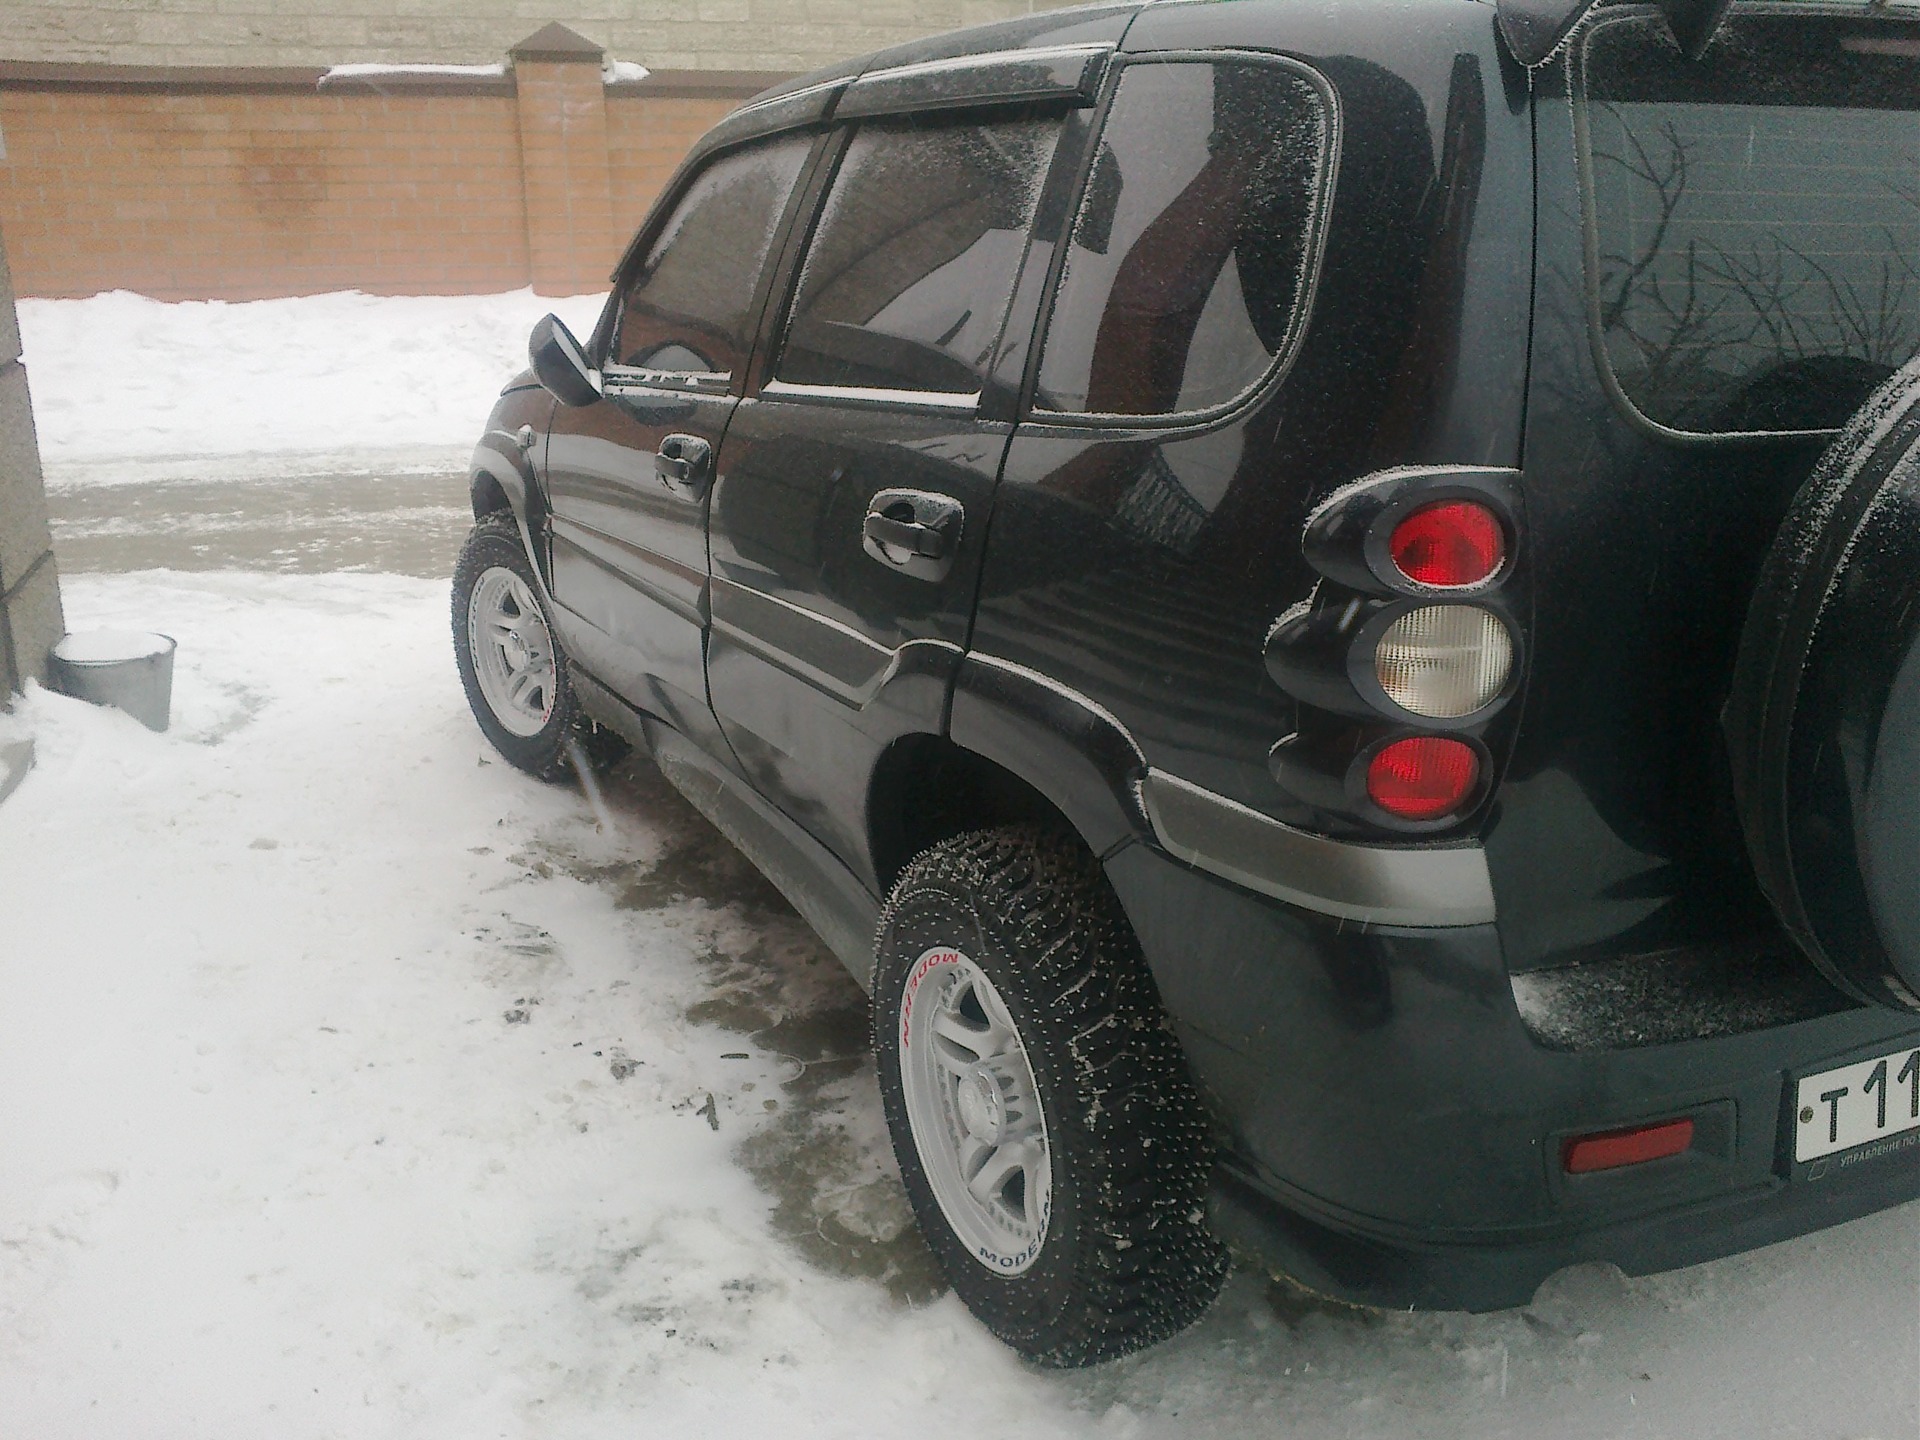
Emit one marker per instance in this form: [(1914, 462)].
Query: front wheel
[(514, 673), (1050, 1139)]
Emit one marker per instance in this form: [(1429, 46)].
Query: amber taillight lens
[(1449, 544), (1423, 777)]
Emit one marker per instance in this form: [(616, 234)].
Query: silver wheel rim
[(975, 1111), (512, 651)]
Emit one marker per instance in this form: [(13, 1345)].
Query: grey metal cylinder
[(127, 669)]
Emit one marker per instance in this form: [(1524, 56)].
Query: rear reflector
[(1422, 777), (1614, 1148), (1453, 543)]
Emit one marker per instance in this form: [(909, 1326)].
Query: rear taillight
[(1423, 777), (1610, 1150), (1448, 545), (1408, 646), (1444, 661)]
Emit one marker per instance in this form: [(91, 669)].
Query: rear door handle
[(915, 532), (684, 464)]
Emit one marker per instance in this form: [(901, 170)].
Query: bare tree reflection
[(1690, 321)]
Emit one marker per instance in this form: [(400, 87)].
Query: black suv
[(1320, 601)]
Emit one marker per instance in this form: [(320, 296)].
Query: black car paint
[(1391, 1121)]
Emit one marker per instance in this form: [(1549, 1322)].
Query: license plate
[(1839, 1109)]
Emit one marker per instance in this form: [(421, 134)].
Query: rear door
[(629, 475), (850, 515)]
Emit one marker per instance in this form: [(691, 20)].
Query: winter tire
[(1052, 1144), (512, 668), (1823, 721)]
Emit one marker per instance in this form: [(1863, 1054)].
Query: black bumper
[(1392, 1129)]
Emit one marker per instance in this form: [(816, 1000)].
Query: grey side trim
[(1375, 884)]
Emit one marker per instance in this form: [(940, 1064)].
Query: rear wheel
[(1050, 1138), (513, 670)]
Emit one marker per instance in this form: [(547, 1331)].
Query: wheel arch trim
[(1066, 746), (1082, 759), (494, 464), (1438, 886)]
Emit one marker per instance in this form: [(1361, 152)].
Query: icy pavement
[(376, 518), (361, 1086), (356, 1085)]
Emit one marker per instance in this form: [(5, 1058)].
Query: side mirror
[(561, 365)]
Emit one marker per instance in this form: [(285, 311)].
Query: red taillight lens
[(1423, 777), (1614, 1148), (1455, 542)]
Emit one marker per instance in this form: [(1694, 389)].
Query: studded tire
[(1121, 1258)]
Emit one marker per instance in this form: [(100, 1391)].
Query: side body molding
[(1083, 760), (1444, 885)]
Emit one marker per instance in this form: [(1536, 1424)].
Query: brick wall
[(252, 184), (789, 35), (262, 192), (646, 138)]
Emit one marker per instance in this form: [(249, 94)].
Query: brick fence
[(186, 183)]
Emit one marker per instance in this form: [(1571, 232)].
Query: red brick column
[(571, 243)]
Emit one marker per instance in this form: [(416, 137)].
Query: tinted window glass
[(687, 306), (1190, 253), (907, 279), (1756, 216)]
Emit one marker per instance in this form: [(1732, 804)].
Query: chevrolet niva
[(1320, 600)]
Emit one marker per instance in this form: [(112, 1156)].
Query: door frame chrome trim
[(915, 399), (1374, 884)]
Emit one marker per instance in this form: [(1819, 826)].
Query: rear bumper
[(1392, 1129)]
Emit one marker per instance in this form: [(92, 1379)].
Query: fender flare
[(1064, 745), (499, 461)]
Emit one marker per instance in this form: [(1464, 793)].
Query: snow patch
[(374, 71), (271, 384), (110, 647)]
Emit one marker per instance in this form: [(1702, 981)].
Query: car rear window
[(1754, 216), (1191, 254), (910, 268)]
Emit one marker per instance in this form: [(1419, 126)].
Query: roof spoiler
[(1534, 29)]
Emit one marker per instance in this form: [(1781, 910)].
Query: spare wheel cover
[(1823, 722)]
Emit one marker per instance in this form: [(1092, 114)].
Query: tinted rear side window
[(911, 266), (687, 307), (1191, 253), (1755, 216)]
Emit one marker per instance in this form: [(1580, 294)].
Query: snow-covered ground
[(357, 1085)]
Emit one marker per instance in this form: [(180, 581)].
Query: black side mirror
[(561, 365)]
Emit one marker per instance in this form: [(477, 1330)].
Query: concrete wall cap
[(555, 42)]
